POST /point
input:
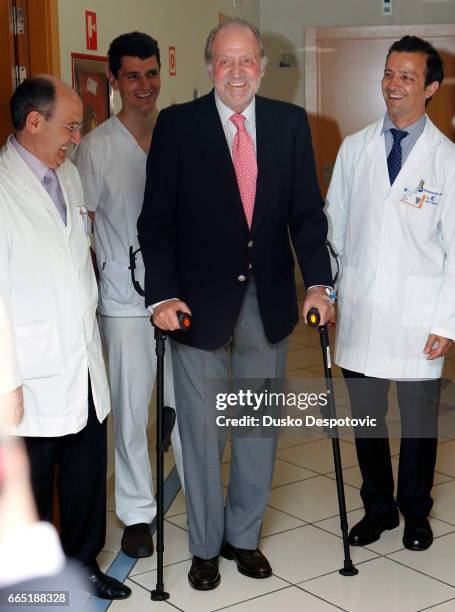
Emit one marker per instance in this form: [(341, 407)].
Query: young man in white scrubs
[(111, 160)]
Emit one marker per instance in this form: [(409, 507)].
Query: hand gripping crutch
[(314, 319), (165, 420)]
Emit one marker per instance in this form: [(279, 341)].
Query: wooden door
[(29, 45), (343, 72), (7, 63)]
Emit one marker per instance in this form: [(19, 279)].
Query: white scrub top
[(112, 169)]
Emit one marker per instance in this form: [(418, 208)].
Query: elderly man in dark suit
[(230, 177)]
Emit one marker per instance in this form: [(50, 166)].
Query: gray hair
[(227, 23)]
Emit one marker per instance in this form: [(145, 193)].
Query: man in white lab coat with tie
[(391, 207), (47, 281)]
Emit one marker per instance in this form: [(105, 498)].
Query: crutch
[(165, 421), (314, 319)]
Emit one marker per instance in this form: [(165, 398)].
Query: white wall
[(180, 23), (283, 23)]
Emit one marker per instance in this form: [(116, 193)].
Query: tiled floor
[(301, 536)]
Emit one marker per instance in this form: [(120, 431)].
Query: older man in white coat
[(47, 280), (391, 205)]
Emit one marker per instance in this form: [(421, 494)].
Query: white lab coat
[(9, 372), (398, 261), (47, 280)]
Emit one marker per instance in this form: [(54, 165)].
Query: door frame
[(44, 37), (43, 49)]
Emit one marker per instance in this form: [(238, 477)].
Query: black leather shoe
[(369, 529), (137, 540), (106, 587), (417, 534), (204, 574), (251, 563)]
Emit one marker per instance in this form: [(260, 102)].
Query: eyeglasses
[(72, 128)]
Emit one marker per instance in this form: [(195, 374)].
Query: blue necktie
[(394, 157)]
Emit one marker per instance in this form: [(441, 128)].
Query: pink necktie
[(245, 164)]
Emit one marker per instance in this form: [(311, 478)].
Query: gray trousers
[(248, 355)]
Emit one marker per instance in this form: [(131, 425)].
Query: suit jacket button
[(241, 278), (250, 244)]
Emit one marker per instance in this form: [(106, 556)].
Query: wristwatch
[(330, 292)]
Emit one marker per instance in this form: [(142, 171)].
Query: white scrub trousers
[(130, 350)]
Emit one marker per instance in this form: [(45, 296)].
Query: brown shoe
[(251, 563), (137, 540), (204, 574)]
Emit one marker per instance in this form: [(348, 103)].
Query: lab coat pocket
[(426, 212), (115, 282), (38, 350), (421, 299)]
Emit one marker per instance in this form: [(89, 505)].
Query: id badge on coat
[(85, 219), (87, 223), (420, 195)]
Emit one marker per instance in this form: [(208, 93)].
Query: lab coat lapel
[(420, 153), (68, 192), (376, 151), (28, 182)]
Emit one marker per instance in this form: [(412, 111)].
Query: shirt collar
[(226, 113), (35, 164), (414, 130)]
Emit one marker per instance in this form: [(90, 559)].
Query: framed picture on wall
[(91, 83)]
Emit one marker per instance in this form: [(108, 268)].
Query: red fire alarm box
[(90, 30)]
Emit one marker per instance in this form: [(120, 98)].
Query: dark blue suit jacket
[(193, 232)]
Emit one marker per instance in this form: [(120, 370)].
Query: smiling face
[(138, 83), (46, 137), (236, 68), (404, 89)]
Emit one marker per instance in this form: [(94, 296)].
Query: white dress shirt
[(229, 128)]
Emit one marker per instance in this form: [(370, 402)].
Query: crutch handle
[(184, 320), (313, 317)]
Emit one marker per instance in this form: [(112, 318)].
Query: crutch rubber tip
[(157, 595), (349, 570)]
